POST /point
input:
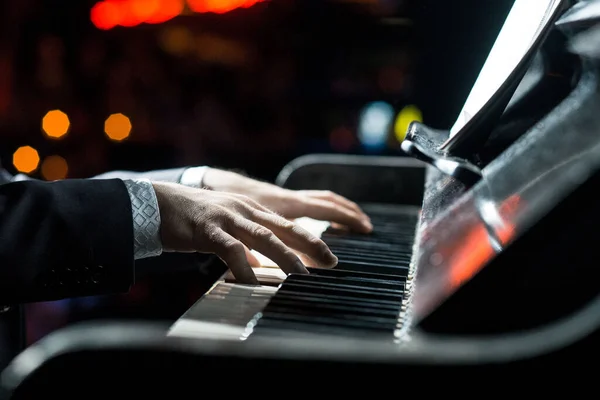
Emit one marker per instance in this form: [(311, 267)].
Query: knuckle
[(219, 218), (316, 242), (211, 234), (246, 204), (217, 212), (287, 225), (243, 198), (262, 232), (235, 247)]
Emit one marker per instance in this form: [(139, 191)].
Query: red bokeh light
[(107, 14), (218, 6), (167, 9)]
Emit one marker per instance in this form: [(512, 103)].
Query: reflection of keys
[(269, 273)]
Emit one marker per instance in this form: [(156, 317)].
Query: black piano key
[(401, 270), (398, 238), (363, 307), (357, 244), (393, 251), (381, 256), (301, 307), (350, 283), (349, 323), (338, 287), (354, 293), (331, 311), (278, 328), (353, 310), (383, 232), (374, 261), (340, 273), (371, 248), (328, 298), (362, 294)]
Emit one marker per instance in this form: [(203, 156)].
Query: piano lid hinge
[(462, 170)]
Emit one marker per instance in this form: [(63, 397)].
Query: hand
[(320, 205), (225, 224)]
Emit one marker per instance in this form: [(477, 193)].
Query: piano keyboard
[(367, 293)]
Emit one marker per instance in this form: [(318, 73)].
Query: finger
[(233, 253), (335, 198), (298, 238), (252, 260), (265, 242), (328, 211)]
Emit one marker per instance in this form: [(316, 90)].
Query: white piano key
[(313, 226)]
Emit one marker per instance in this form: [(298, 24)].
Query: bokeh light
[(54, 168), (26, 159), (108, 14), (374, 124), (55, 124), (117, 127), (406, 116)]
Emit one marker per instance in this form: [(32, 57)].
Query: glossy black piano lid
[(521, 186)]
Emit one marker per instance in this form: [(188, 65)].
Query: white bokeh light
[(374, 125)]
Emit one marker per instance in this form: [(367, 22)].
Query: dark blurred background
[(90, 86)]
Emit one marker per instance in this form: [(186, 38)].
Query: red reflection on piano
[(476, 250)]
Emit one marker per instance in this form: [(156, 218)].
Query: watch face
[(523, 26)]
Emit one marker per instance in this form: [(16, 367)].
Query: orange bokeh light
[(117, 127), (55, 124), (54, 168), (26, 159)]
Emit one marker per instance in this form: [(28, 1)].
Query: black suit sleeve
[(64, 239)]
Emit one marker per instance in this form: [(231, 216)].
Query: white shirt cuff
[(193, 176)]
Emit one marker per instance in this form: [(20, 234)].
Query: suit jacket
[(69, 238)]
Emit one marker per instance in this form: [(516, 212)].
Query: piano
[(496, 249), (483, 255)]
